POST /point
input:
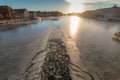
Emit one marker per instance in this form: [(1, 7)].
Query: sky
[(60, 5)]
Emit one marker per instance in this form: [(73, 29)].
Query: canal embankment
[(15, 21), (10, 24)]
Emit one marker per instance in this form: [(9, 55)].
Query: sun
[(75, 5), (75, 8)]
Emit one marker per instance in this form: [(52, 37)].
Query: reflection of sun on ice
[(75, 5), (74, 24)]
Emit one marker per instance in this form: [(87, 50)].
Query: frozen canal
[(98, 53), (19, 45)]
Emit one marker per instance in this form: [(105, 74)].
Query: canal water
[(99, 54)]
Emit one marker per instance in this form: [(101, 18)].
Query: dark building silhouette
[(22, 13), (7, 13), (46, 14), (33, 14)]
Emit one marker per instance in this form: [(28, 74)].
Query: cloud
[(95, 4), (75, 5), (93, 1), (82, 5), (74, 1), (104, 1)]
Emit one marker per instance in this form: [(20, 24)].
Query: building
[(110, 13), (47, 14), (33, 14), (23, 13), (7, 12), (113, 12)]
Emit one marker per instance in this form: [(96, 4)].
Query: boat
[(36, 18), (116, 36), (55, 19), (104, 19)]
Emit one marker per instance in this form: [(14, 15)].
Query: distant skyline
[(60, 5)]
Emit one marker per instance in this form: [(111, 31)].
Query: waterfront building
[(110, 13), (23, 13), (7, 12), (51, 13), (33, 14)]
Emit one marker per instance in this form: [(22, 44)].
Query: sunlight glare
[(75, 5), (74, 24)]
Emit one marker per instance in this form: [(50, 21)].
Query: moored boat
[(55, 19), (103, 19)]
